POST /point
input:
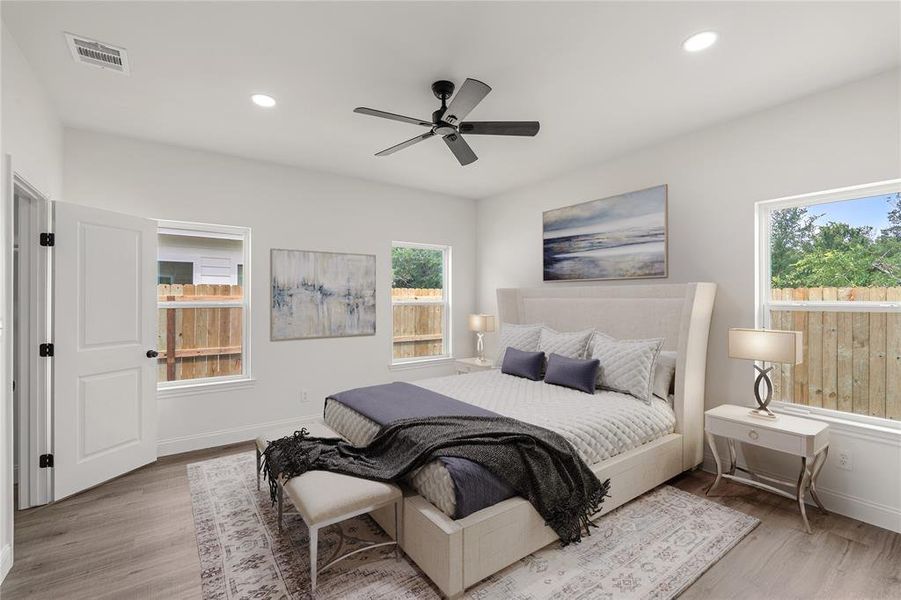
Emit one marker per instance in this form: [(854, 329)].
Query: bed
[(599, 426), (636, 445)]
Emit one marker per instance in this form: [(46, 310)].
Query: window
[(171, 271), (830, 267), (420, 301), (203, 309)]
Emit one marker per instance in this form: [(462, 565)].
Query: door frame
[(33, 326), (10, 179)]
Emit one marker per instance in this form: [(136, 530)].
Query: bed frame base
[(458, 554)]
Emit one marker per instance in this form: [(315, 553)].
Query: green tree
[(894, 217), (791, 235), (806, 254), (417, 268), (888, 245), (846, 256), (841, 237)]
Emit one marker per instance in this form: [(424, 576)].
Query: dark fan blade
[(529, 128), (460, 149), (386, 115), (406, 144), (471, 93)]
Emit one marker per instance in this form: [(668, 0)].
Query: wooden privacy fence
[(852, 360), (418, 328), (199, 341)]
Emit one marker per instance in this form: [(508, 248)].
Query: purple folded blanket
[(475, 487)]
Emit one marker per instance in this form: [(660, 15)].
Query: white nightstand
[(471, 365), (805, 438)]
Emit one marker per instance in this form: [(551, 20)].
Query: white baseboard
[(6, 561), (855, 507), (211, 439)]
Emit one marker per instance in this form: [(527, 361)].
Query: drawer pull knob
[(753, 434)]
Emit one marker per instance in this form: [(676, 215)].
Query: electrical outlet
[(845, 460), (303, 395)]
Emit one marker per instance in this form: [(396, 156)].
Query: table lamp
[(766, 345), (481, 324)]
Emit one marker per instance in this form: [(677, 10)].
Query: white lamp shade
[(483, 323), (767, 345)]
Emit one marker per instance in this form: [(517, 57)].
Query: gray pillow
[(572, 344), (664, 373), (627, 366), (574, 373), (521, 337), (523, 364)]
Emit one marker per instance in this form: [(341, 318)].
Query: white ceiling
[(602, 78)]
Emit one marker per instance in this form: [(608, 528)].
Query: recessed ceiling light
[(263, 100), (700, 41)]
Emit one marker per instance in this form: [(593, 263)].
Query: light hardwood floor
[(133, 538)]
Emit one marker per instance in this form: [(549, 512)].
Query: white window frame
[(446, 301), (763, 288), (209, 230)]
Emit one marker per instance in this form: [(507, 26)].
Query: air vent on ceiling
[(97, 54)]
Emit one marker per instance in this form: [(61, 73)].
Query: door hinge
[(46, 461), (48, 239), (45, 350)]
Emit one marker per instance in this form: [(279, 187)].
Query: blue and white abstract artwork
[(621, 237), (322, 294)]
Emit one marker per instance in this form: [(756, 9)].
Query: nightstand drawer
[(758, 436)]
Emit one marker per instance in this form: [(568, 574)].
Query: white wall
[(286, 208), (31, 134), (850, 135), (31, 130)]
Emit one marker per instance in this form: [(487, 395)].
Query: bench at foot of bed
[(322, 498)]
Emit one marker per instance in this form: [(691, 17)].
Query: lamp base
[(763, 380), (480, 347), (763, 413)]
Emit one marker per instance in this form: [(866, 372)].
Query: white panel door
[(105, 322)]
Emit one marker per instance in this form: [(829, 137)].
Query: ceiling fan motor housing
[(443, 89)]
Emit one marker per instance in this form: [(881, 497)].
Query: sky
[(872, 211)]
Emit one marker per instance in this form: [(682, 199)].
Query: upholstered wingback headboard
[(679, 313)]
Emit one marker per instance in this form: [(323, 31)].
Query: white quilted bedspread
[(599, 426)]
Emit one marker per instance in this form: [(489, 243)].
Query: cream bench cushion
[(323, 496)]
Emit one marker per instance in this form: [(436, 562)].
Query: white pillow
[(627, 366), (664, 372), (571, 344), (521, 337)]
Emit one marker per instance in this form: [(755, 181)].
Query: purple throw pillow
[(523, 364), (573, 373)]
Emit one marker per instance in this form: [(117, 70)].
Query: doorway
[(31, 369), (84, 326)]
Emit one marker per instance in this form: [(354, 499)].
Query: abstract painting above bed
[(321, 294), (620, 237)]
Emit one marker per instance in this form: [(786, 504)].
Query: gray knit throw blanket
[(539, 464)]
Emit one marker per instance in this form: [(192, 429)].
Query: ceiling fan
[(448, 122)]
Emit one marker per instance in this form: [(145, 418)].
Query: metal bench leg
[(259, 466), (397, 531), (281, 508), (314, 546)]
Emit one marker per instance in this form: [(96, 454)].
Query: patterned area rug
[(653, 547)]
